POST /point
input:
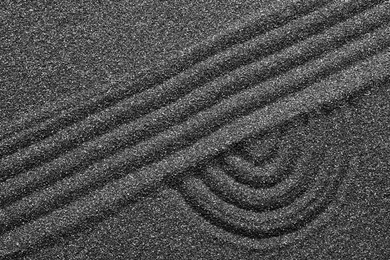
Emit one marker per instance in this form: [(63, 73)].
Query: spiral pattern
[(271, 189)]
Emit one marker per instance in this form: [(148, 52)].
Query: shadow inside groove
[(170, 68), (104, 128), (171, 149), (288, 228)]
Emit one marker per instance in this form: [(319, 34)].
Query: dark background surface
[(49, 51)]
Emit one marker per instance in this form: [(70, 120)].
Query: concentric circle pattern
[(273, 189), (244, 107)]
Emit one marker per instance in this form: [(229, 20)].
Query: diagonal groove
[(201, 72), (195, 101), (54, 118), (180, 136), (338, 86), (142, 107), (202, 123)]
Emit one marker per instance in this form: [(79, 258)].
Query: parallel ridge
[(200, 98), (260, 203), (66, 138), (40, 124), (331, 61), (129, 188), (155, 97)]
